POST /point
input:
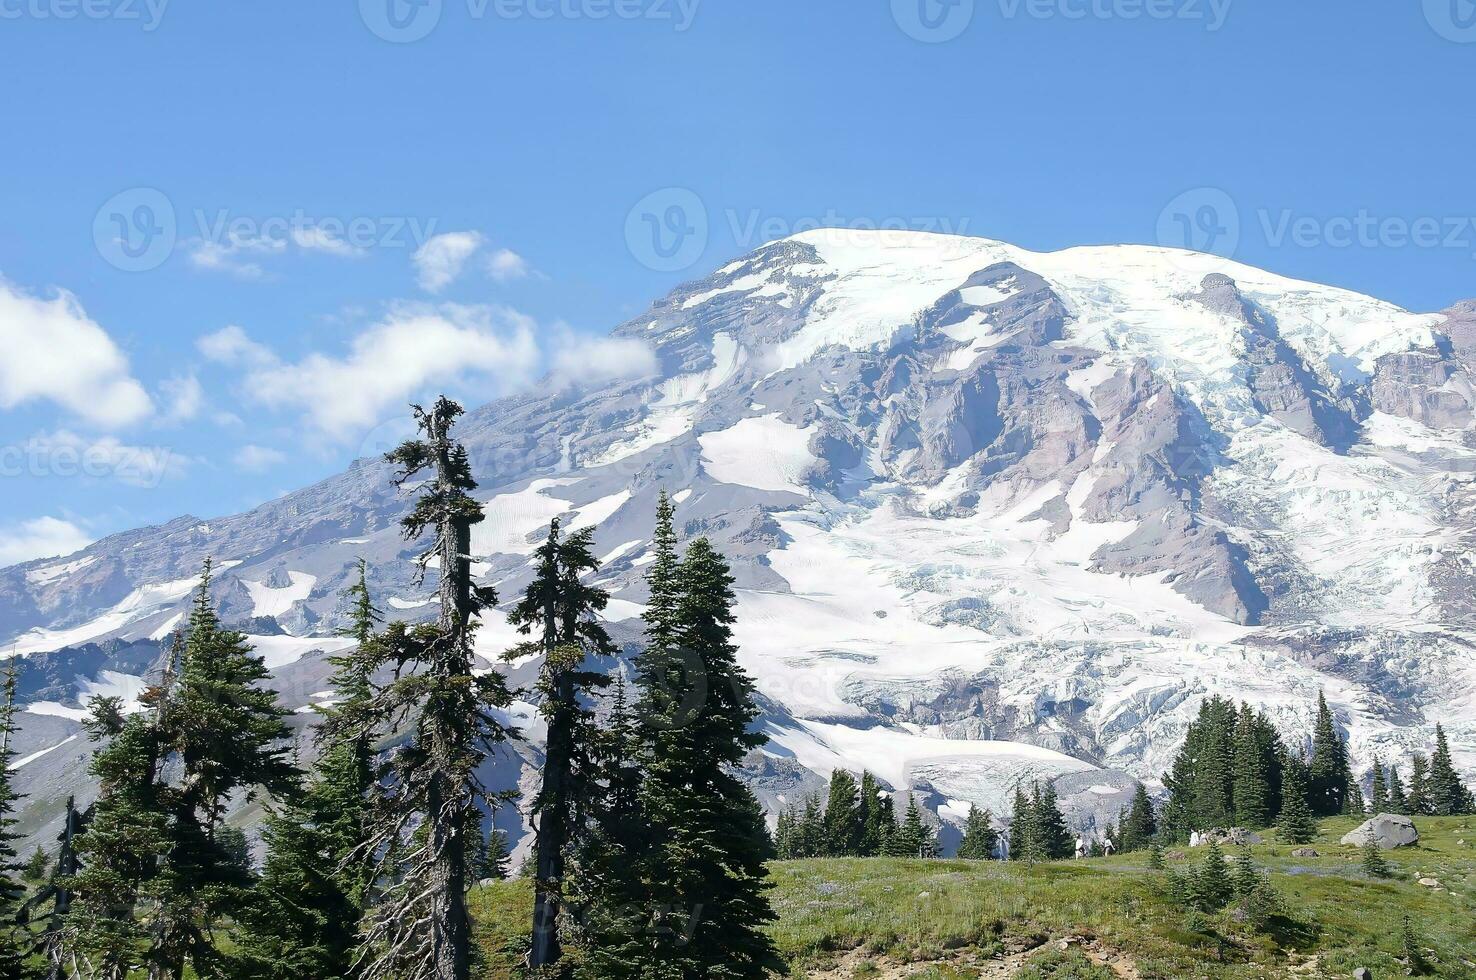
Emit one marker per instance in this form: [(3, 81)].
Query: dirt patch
[(975, 964)]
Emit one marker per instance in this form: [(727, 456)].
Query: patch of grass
[(1070, 965), (926, 911)]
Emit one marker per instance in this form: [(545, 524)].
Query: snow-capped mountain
[(995, 514)]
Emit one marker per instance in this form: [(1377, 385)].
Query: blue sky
[(220, 219)]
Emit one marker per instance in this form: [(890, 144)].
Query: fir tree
[(125, 843), (415, 843), (226, 734), (1155, 856), (37, 865), (13, 941), (842, 816), (1327, 770), (1247, 878), (1374, 864), (1295, 824), (980, 840), (1398, 802), (1252, 788), (874, 807), (810, 831), (1380, 800), (1024, 837), (1055, 838), (562, 610), (1138, 828), (914, 838), (1211, 887), (705, 869), (304, 917), (1414, 955), (1418, 799), (1447, 793), (784, 834), (1354, 805)]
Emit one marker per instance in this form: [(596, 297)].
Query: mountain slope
[(995, 514)]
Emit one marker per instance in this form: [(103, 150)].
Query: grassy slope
[(1337, 918)]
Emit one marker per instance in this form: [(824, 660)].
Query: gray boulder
[(1388, 830)]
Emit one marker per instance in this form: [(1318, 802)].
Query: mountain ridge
[(1068, 494)]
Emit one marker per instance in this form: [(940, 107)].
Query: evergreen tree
[(1414, 955), (1252, 787), (842, 816), (1374, 864), (1380, 800), (13, 940), (1418, 798), (1327, 770), (980, 840), (1055, 838), (1155, 856), (705, 869), (417, 927), (37, 865), (562, 609), (874, 808), (224, 731), (810, 831), (1354, 805), (1211, 888), (784, 834), (1138, 828), (1398, 802), (125, 842), (914, 838), (1295, 824), (1447, 793), (304, 917), (1247, 878), (1024, 836), (886, 818)]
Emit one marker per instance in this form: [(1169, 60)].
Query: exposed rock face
[(994, 517), (1387, 830)]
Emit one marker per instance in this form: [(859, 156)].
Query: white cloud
[(233, 256), (415, 350), (54, 352), (315, 238), (505, 264), (67, 455), (441, 259), (44, 537), (589, 360), (230, 345), (258, 459), (185, 398)]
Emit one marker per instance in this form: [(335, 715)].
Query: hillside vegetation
[(1098, 918)]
